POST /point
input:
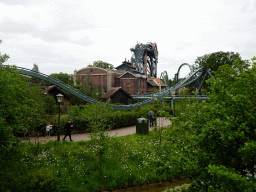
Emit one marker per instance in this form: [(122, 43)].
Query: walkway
[(161, 121)]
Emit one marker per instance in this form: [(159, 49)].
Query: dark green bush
[(85, 117)]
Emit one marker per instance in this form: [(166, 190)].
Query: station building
[(125, 76)]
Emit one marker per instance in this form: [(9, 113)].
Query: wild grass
[(89, 165), (101, 164)]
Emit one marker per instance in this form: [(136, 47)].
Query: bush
[(86, 116)]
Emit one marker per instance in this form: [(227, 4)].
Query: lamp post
[(59, 98)]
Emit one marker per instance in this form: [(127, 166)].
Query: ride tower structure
[(145, 58)]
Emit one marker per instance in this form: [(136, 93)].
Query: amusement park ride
[(145, 58)]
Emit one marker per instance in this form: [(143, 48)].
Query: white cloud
[(62, 35)]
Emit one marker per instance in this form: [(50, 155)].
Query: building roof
[(112, 91), (155, 82), (52, 88), (47, 89), (152, 82), (159, 81), (127, 64), (126, 73)]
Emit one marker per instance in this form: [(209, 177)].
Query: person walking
[(151, 117), (48, 130), (67, 129)]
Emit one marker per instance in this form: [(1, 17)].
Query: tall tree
[(4, 57), (34, 80), (214, 60), (64, 77), (222, 149), (35, 67), (102, 64), (19, 104)]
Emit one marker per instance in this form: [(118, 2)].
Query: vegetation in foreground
[(104, 164), (212, 144)]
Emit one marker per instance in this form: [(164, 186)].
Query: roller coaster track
[(192, 77)]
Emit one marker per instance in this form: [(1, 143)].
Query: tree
[(19, 105), (64, 77), (35, 68), (34, 80), (50, 106), (89, 89), (214, 60), (4, 57), (222, 148), (102, 64)]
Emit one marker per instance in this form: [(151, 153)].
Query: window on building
[(128, 83), (91, 70), (138, 82), (145, 83)]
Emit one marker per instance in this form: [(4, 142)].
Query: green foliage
[(85, 115), (4, 57), (86, 88), (35, 68), (64, 77), (214, 60), (85, 166), (223, 130), (21, 105), (102, 64), (184, 91), (50, 106), (229, 179)]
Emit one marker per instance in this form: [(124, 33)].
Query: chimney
[(145, 64), (75, 77), (109, 82)]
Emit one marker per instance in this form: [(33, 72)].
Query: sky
[(64, 35)]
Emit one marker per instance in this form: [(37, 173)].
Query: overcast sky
[(64, 35)]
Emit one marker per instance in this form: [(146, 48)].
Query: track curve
[(193, 76)]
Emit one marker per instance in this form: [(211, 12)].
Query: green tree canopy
[(4, 57), (102, 64), (222, 149), (20, 104), (64, 77), (214, 60), (35, 67)]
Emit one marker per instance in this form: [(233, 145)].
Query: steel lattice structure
[(192, 77), (145, 53), (165, 78)]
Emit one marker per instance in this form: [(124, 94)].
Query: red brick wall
[(134, 87), (98, 76)]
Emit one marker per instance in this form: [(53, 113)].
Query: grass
[(93, 165)]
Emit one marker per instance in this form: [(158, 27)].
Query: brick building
[(125, 76)]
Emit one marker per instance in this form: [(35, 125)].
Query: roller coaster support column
[(172, 106)]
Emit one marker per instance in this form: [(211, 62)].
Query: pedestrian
[(151, 117), (48, 130), (27, 133), (67, 129)]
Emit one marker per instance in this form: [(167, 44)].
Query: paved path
[(161, 122)]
